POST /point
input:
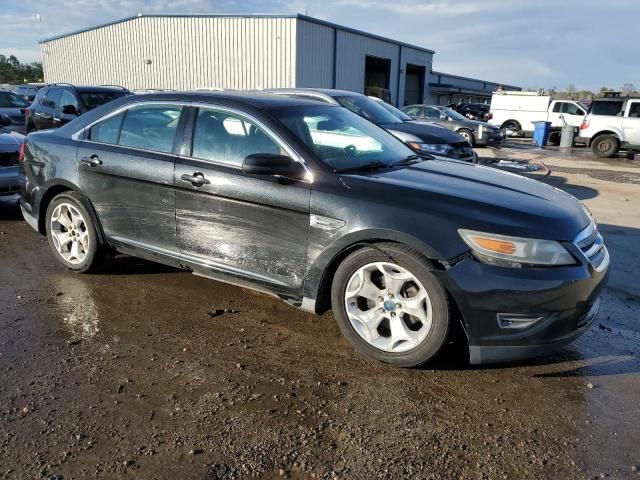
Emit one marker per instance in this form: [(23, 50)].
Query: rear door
[(631, 122), (249, 228), (126, 168), (48, 109)]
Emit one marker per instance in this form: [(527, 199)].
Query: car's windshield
[(95, 99), (11, 100), (340, 138), (394, 111), (367, 108), (453, 114)]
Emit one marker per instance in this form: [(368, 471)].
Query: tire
[(394, 335), (468, 136), (82, 251), (554, 139), (605, 146), (513, 126)]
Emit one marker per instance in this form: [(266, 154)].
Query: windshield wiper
[(362, 166), (406, 161)]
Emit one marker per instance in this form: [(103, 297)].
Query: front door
[(126, 168), (249, 228), (631, 123), (572, 114)]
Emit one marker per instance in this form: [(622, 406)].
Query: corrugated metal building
[(239, 52), (445, 88)]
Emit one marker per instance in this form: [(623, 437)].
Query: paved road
[(124, 374)]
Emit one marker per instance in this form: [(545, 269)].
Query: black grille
[(8, 159)]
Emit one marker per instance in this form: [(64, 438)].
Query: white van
[(515, 112)]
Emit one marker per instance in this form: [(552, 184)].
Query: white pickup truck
[(612, 124), (515, 112)]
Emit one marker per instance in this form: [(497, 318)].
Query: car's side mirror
[(273, 164), (5, 121), (70, 110)]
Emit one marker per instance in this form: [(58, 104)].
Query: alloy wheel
[(388, 307), (69, 233)]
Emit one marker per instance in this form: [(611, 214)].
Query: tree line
[(574, 93), (13, 71)]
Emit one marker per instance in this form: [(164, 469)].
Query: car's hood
[(422, 132), (10, 141), (478, 198)]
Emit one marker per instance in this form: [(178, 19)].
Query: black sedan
[(313, 203)]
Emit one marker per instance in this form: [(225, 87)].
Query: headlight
[(431, 147), (515, 252)]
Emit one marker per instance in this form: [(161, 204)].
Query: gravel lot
[(129, 373)]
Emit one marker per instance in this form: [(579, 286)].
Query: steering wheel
[(351, 149)]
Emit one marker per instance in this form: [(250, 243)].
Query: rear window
[(606, 107), (150, 127), (95, 99)]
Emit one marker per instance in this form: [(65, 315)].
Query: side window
[(413, 111), (40, 96), (107, 131), (68, 99), (150, 127), (51, 98), (571, 109), (634, 110), (432, 112), (557, 107), (226, 138)]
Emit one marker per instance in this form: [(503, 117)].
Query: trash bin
[(541, 133), (568, 135)]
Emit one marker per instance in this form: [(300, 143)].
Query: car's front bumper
[(9, 184), (559, 302), (490, 138)]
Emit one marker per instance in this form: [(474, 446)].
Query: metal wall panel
[(184, 53), (315, 50), (351, 52)]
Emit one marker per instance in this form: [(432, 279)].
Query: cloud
[(522, 42)]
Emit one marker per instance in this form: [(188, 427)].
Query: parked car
[(476, 133), (420, 137), (13, 106), (515, 112), (246, 189), (612, 124), (10, 144), (59, 103), (28, 91), (474, 111)]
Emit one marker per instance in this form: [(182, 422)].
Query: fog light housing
[(518, 321)]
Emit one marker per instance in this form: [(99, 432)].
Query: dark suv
[(315, 204), (57, 104)]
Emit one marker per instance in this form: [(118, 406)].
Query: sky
[(529, 43)]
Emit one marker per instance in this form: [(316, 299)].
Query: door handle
[(197, 179), (92, 161)]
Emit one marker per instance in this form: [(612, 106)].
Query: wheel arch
[(511, 120), (606, 132), (56, 189), (321, 272)]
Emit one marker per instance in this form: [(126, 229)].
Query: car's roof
[(325, 91), (254, 99)]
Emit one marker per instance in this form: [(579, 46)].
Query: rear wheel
[(71, 232), (468, 136), (390, 306), (605, 146), (511, 128)]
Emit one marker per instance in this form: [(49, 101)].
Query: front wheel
[(468, 136), (390, 306), (71, 232), (605, 146)]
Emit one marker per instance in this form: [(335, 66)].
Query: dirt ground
[(124, 374)]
